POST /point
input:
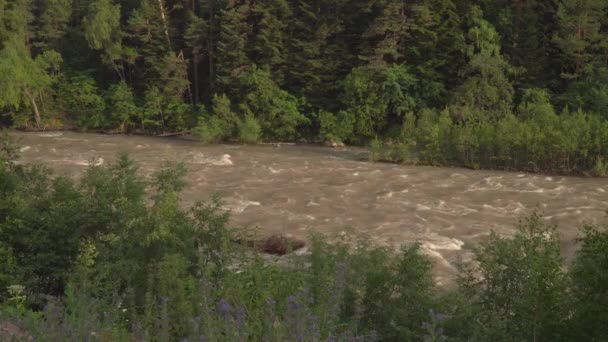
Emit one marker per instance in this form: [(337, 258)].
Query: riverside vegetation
[(112, 256), (509, 84)]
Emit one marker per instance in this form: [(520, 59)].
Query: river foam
[(293, 188)]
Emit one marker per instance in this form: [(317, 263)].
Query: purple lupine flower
[(240, 319), (269, 319), (301, 323), (434, 332), (336, 293), (224, 308)]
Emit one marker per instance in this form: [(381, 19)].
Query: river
[(291, 189)]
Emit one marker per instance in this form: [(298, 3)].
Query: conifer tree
[(386, 33), (584, 46), (486, 88), (196, 36), (53, 22), (231, 45), (307, 37), (579, 33), (269, 43)]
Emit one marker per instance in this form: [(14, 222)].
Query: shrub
[(81, 98), (589, 280), (212, 130), (517, 291), (121, 266), (121, 105), (375, 95), (220, 124), (375, 149), (250, 130), (335, 128), (275, 110), (600, 168)]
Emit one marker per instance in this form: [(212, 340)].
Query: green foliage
[(342, 71), (600, 168), (589, 285), (375, 96), (269, 44), (579, 31), (231, 46), (38, 211), (102, 24), (81, 98), (276, 110), (152, 113), (172, 80), (336, 128), (9, 274), (23, 77), (486, 87), (250, 130), (537, 139), (212, 130), (123, 266), (375, 149), (54, 21), (517, 291), (221, 124), (121, 105)]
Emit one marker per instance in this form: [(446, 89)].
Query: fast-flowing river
[(293, 188)]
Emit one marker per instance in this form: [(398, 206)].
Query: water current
[(291, 189)]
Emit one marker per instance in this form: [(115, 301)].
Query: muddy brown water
[(291, 189)]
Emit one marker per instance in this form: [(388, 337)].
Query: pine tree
[(269, 42), (147, 31), (231, 45), (386, 34), (579, 33), (434, 49), (306, 41), (53, 21), (524, 43), (197, 34), (316, 51), (16, 20), (584, 46), (486, 88)]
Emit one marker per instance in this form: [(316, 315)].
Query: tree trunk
[(210, 46), (166, 27), (36, 111), (195, 74)]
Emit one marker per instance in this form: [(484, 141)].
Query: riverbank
[(290, 189), (377, 151)]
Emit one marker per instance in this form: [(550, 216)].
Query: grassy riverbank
[(98, 259)]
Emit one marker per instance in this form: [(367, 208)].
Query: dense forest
[(518, 84), (112, 256)]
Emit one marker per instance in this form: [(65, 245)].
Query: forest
[(112, 256), (518, 84)]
